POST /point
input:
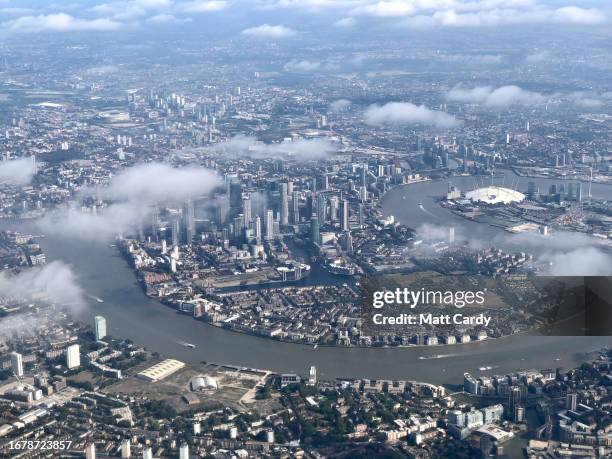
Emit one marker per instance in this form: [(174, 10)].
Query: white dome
[(495, 195)]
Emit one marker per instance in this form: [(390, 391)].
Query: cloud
[(54, 282), (269, 31), (207, 6), (585, 99), (17, 172), (59, 22), (535, 58), (345, 22), (339, 105), (165, 18), (154, 182), (480, 15), (304, 66), (502, 97), (588, 261), (397, 113), (131, 195), (299, 150)]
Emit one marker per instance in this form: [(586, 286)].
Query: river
[(130, 314)]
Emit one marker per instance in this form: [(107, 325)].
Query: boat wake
[(422, 208), (436, 356)]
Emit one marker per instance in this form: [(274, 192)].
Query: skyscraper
[(17, 363), (296, 207), (345, 215), (176, 225), (100, 327), (246, 210), (189, 220), (571, 402), (284, 210), (73, 356), (321, 207), (258, 229), (269, 225), (126, 449), (315, 234)]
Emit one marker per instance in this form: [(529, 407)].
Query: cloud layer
[(54, 282), (269, 31), (299, 150), (502, 97), (131, 195), (108, 15), (17, 171), (399, 113)]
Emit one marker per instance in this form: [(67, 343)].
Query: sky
[(285, 19)]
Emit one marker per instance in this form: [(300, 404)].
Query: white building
[(100, 325), (17, 363), (184, 451), (73, 356), (126, 449), (90, 451)]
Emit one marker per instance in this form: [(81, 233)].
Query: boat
[(189, 345), (315, 346)]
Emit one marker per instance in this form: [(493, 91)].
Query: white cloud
[(17, 171), (534, 14), (269, 31), (299, 150), (502, 97), (535, 58), (397, 113), (588, 261), (59, 22), (339, 105), (150, 183), (54, 282), (131, 195), (304, 66), (206, 6), (164, 18), (345, 22)]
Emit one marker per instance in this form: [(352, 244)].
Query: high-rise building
[(321, 208), (100, 327), (284, 210), (344, 211), (189, 220), (147, 453), (184, 451), (361, 216), (90, 451), (73, 356), (176, 226), (296, 207), (315, 233), (246, 210), (126, 449), (269, 225), (348, 242), (17, 363), (571, 402), (257, 228)]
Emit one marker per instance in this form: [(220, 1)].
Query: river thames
[(104, 274)]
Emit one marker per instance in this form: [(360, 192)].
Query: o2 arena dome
[(495, 195)]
